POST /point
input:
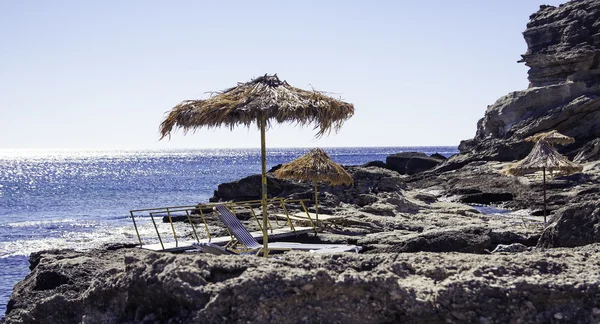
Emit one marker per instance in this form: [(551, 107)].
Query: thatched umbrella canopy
[(261, 101), (315, 166), (543, 157), (552, 137)]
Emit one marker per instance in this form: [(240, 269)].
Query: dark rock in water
[(564, 93), (379, 164), (438, 156), (486, 198), (366, 181), (575, 225), (249, 188), (275, 168), (411, 162)]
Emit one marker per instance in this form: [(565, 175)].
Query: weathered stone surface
[(575, 225), (411, 162), (564, 94), (136, 286), (589, 152)]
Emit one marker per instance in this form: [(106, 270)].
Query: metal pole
[(317, 201), (263, 153), (544, 190), (136, 229)]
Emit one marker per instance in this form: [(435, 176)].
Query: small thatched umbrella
[(552, 137), (315, 166), (260, 101), (545, 158)]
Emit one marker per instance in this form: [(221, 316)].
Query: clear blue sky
[(101, 74)]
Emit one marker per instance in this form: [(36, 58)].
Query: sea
[(81, 199)]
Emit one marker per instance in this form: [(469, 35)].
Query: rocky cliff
[(564, 92)]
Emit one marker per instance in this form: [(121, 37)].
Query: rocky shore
[(430, 255)]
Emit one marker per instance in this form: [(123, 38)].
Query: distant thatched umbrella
[(543, 157), (552, 137), (315, 166), (261, 101)]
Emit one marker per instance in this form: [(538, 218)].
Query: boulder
[(469, 240), (411, 162), (575, 225), (379, 164), (249, 188)]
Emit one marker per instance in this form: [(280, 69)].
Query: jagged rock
[(411, 162), (574, 225), (589, 152), (564, 94), (135, 286)]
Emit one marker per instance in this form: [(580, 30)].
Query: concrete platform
[(222, 240)]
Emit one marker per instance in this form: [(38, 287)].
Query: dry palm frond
[(543, 156), (552, 137), (315, 166), (248, 102)]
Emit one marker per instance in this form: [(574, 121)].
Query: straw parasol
[(315, 166), (545, 158), (261, 101), (552, 137)]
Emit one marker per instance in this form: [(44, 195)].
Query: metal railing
[(171, 211)]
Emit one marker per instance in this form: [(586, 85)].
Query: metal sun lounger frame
[(242, 236)]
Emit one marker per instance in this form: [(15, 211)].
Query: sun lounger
[(242, 235)]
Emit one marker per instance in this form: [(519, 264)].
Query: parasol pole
[(263, 201), (317, 201), (544, 190)]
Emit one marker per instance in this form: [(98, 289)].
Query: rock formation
[(411, 162), (564, 93), (575, 225), (137, 286)]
